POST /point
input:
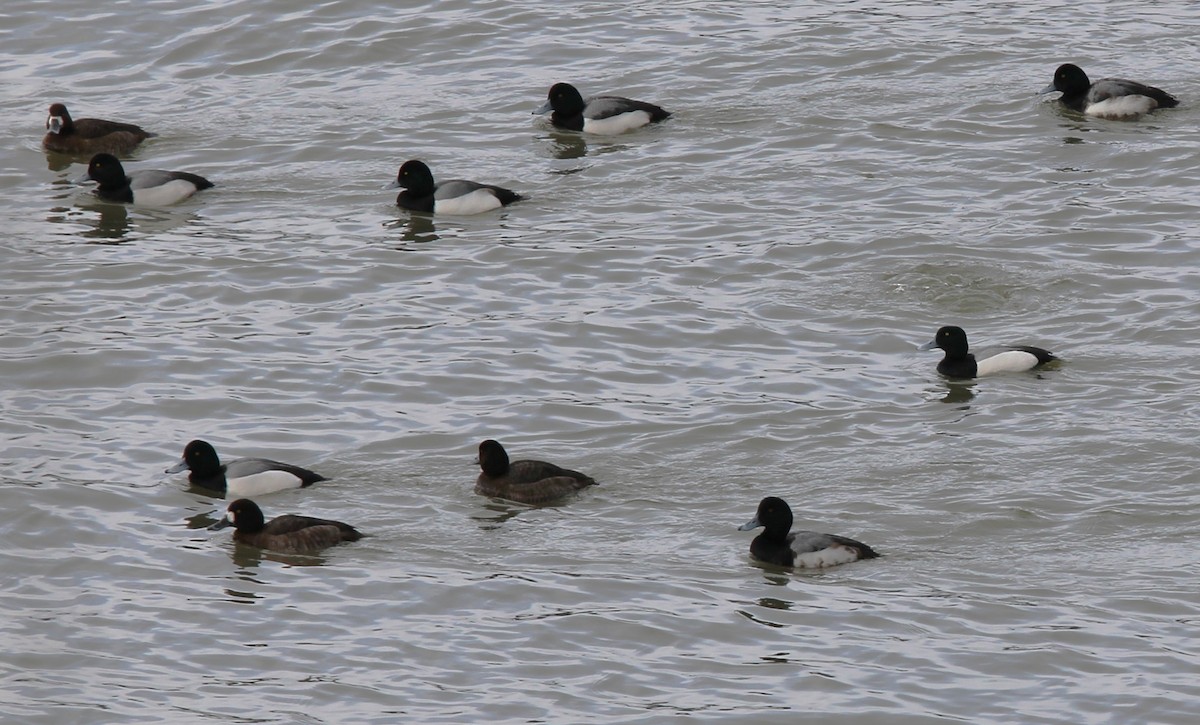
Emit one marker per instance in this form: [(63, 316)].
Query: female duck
[(147, 187), (65, 135), (241, 477), (457, 196), (608, 115), (958, 363), (287, 534), (1111, 98), (533, 482), (779, 545)]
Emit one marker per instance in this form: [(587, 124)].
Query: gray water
[(698, 314)]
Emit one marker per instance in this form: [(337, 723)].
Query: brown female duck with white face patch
[(87, 136), (287, 534)]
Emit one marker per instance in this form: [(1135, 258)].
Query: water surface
[(698, 314)]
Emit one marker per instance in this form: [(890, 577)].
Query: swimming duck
[(146, 187), (455, 196), (607, 115), (1111, 98), (240, 477), (533, 482), (65, 135), (779, 545), (287, 534), (958, 363)]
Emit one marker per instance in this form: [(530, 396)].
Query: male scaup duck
[(779, 545), (65, 135), (533, 482), (146, 187), (446, 197), (287, 534), (241, 477), (608, 115), (958, 363), (1111, 98)]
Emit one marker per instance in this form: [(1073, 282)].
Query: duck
[(65, 135), (145, 187), (456, 196), (286, 534), (958, 363), (605, 115), (781, 546), (1111, 98), (532, 482), (242, 477)]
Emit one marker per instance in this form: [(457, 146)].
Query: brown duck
[(287, 534), (88, 136), (534, 482)]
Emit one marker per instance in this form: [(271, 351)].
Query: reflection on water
[(203, 520), (97, 222), (776, 575), (61, 162), (111, 224), (241, 597), (759, 620), (772, 603), (250, 557), (207, 492), (956, 392), (418, 228), (500, 511), (783, 659), (567, 145)]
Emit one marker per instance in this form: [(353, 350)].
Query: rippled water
[(698, 314)]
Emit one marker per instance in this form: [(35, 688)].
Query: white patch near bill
[(620, 123), (1012, 361), (476, 202), (259, 484), (1122, 108)]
